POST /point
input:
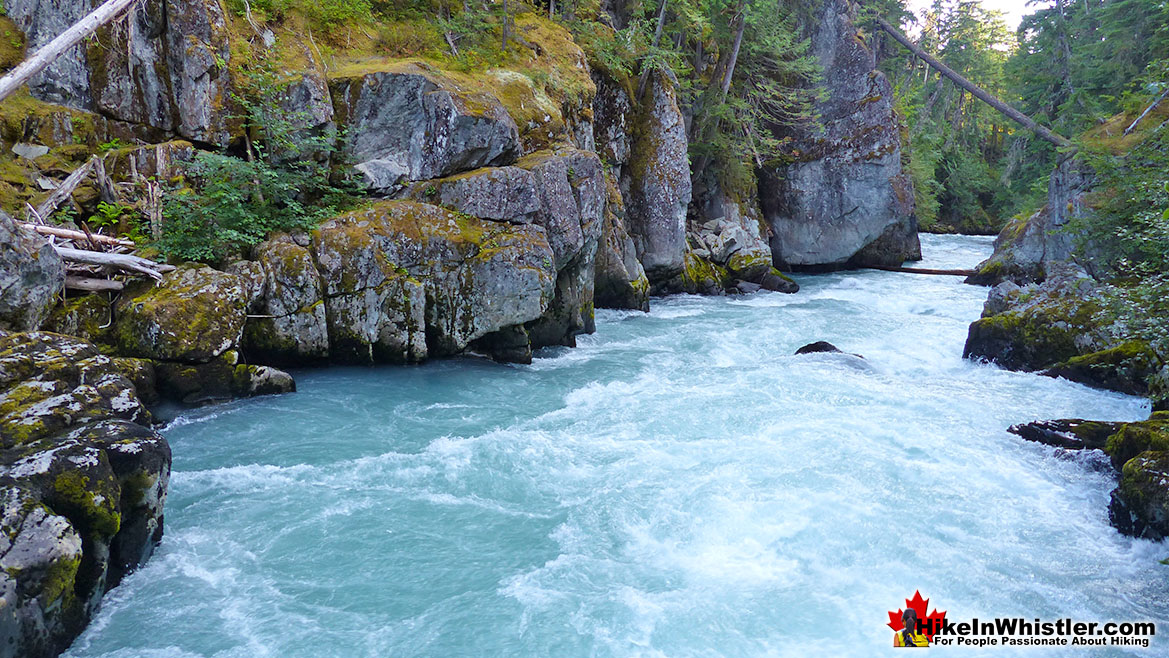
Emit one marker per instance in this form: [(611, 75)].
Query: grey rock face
[(82, 488), (66, 80), (197, 42), (31, 277), (161, 69), (405, 280), (124, 56), (409, 123), (845, 201), (1026, 249), (501, 194), (292, 297), (612, 119), (659, 173), (193, 315), (620, 280), (570, 187)]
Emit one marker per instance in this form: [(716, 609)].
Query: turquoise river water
[(678, 485)]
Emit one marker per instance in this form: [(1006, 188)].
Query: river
[(678, 485)]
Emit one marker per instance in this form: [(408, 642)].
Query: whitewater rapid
[(678, 485)]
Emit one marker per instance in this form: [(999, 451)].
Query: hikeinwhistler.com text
[(1017, 631)]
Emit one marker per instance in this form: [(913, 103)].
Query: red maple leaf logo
[(930, 623)]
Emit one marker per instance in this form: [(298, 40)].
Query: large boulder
[(408, 122), (405, 280), (223, 378), (289, 324), (1027, 247), (1062, 328), (845, 201), (82, 488), (31, 277), (659, 181), (1038, 327), (1140, 505), (193, 315), (501, 194)]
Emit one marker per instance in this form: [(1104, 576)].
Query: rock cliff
[(844, 201)]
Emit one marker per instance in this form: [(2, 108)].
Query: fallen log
[(62, 193), (70, 234), (121, 261), (93, 285), (978, 92), (920, 270)]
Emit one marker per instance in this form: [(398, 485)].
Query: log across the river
[(920, 270)]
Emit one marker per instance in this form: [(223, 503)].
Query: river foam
[(679, 484)]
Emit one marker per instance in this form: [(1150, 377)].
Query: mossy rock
[(1140, 504), (1069, 433), (221, 379), (1126, 368), (1135, 438), (86, 317), (702, 277), (193, 315)]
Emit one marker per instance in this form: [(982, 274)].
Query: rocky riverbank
[(1050, 312)]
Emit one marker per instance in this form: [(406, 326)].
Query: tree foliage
[(229, 202)]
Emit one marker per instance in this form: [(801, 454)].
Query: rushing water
[(680, 484)]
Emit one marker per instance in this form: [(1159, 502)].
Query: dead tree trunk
[(66, 40), (975, 90)]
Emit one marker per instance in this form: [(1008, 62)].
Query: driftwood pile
[(91, 259)]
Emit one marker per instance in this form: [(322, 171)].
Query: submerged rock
[(824, 347), (845, 201), (31, 277), (1070, 433), (82, 487)]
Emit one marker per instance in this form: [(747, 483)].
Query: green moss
[(94, 504), (1135, 438), (59, 582), (134, 488), (701, 276)]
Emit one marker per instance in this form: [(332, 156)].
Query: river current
[(680, 484)]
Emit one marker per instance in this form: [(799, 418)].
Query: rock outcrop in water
[(845, 201), (82, 486), (1062, 328), (1140, 454)]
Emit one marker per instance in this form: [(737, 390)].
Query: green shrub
[(228, 203)]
